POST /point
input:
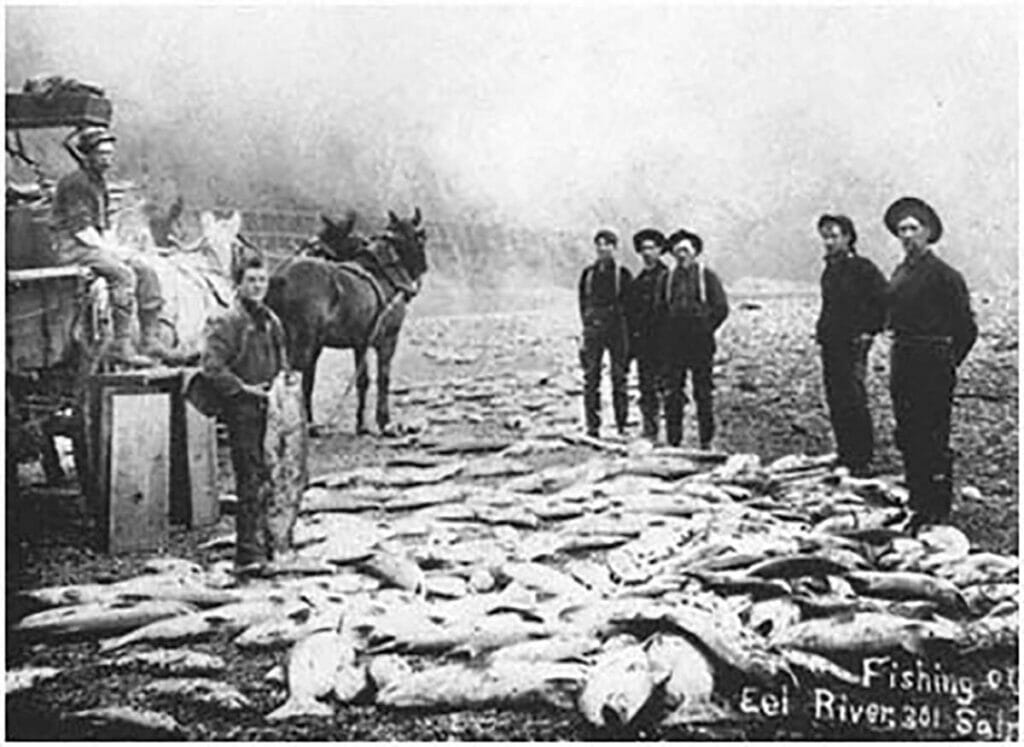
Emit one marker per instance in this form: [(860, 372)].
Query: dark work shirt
[(243, 344), (642, 308), (81, 200), (928, 298), (852, 299), (601, 290), (690, 303)]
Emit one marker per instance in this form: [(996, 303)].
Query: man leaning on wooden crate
[(243, 351)]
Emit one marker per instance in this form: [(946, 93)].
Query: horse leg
[(362, 384), (308, 376), (385, 350)]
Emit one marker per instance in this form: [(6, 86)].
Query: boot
[(123, 350)]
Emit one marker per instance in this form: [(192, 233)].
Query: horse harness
[(403, 286)]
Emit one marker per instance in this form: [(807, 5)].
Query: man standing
[(81, 225), (693, 305), (603, 289), (852, 312), (643, 327), (933, 331), (243, 351)]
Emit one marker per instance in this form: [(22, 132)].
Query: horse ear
[(417, 216), (206, 221), (393, 218), (234, 223), (326, 221), (350, 222)]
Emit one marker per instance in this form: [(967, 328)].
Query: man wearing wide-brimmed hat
[(603, 289), (692, 306), (933, 330), (81, 230), (649, 243)]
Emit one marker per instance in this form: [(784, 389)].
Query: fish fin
[(297, 709)]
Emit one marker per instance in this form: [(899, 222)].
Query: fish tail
[(294, 708), (913, 644), (698, 711)]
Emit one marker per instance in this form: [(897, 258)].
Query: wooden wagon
[(58, 327)]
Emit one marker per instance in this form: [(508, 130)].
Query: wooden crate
[(154, 458), (139, 470)]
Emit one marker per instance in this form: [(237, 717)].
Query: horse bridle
[(405, 283)]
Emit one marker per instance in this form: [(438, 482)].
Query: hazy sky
[(557, 115)]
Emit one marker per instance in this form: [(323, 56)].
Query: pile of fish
[(643, 585)]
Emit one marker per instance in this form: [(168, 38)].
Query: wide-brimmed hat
[(648, 234), (681, 234), (89, 138), (918, 208)]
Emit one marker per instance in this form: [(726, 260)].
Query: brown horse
[(354, 305)]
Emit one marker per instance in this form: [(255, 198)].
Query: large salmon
[(618, 686), (909, 585), (508, 683), (313, 669), (286, 448), (864, 633), (201, 690), (100, 618), (230, 618)]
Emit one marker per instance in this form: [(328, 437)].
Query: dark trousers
[(601, 332), (922, 377), (649, 369), (844, 366), (247, 427), (694, 357)]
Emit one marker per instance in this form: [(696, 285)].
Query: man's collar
[(912, 260), (255, 309), (92, 173), (838, 256)]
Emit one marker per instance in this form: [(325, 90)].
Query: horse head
[(409, 239), (220, 239)]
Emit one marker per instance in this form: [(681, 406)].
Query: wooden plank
[(139, 471), (35, 274), (202, 467)]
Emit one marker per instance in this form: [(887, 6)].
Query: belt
[(905, 337)]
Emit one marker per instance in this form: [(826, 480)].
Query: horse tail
[(277, 301)]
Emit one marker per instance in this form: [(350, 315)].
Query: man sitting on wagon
[(81, 231)]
